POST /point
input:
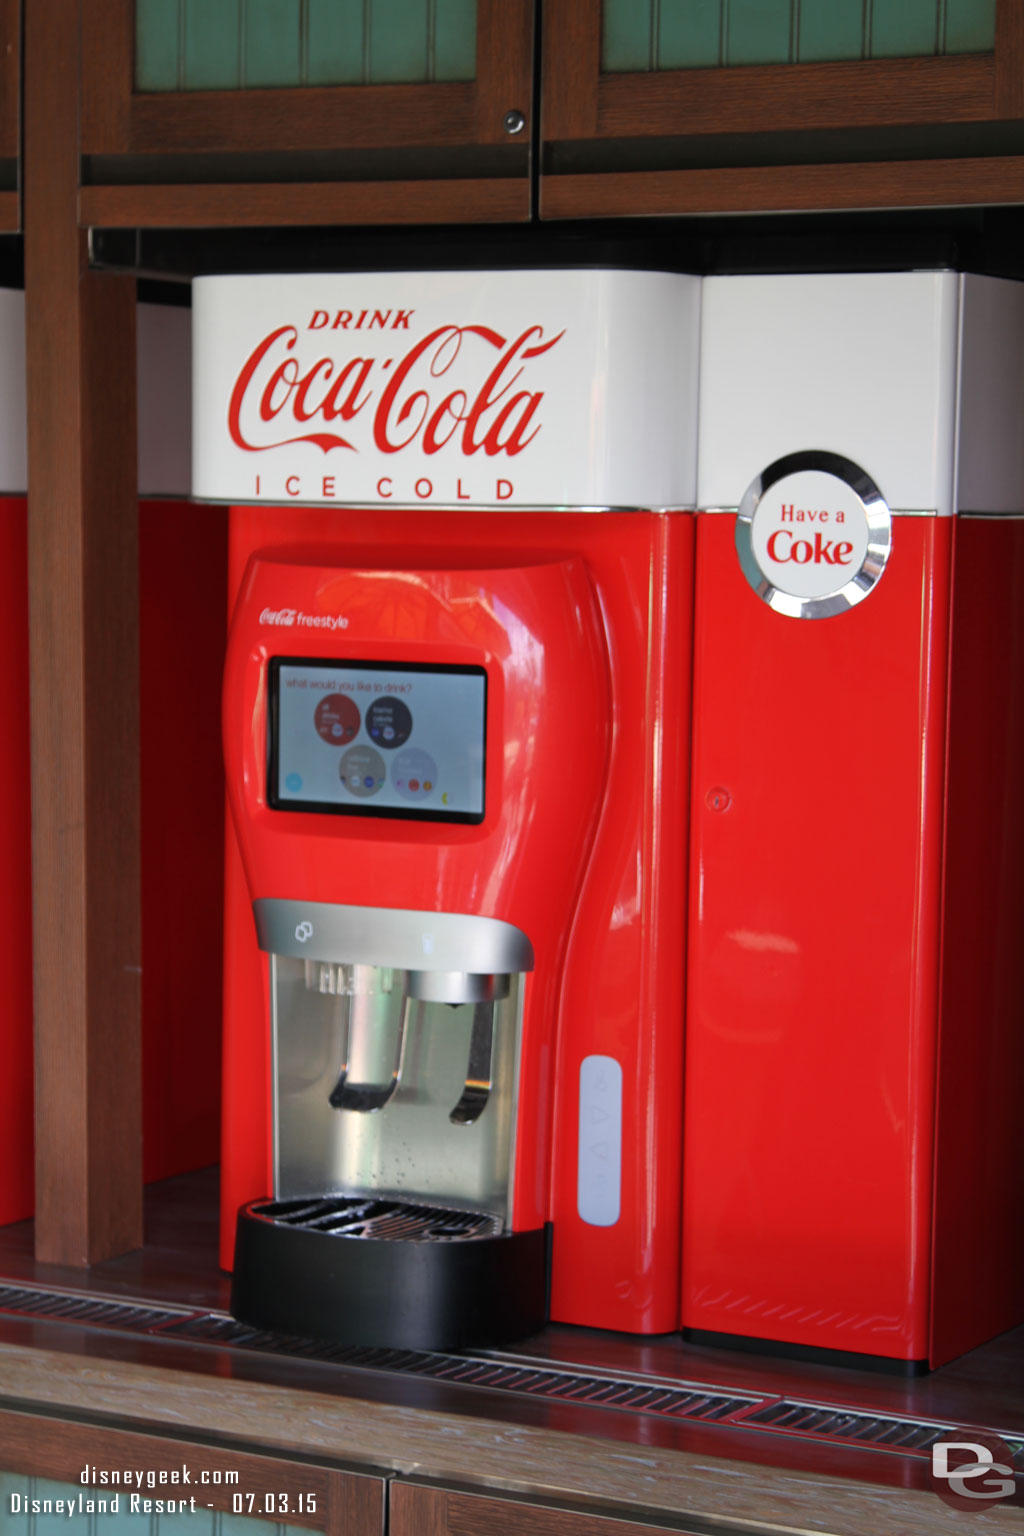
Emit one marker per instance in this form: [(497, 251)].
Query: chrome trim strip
[(275, 1062), (513, 1140), (439, 505), (408, 941)]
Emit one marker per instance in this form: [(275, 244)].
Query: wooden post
[(83, 640)]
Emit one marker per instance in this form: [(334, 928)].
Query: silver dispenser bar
[(396, 1052)]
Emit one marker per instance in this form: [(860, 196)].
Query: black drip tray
[(417, 1277), (379, 1220)]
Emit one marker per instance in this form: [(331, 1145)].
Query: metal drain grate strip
[(69, 1306), (907, 1435), (785, 1416), (467, 1370)]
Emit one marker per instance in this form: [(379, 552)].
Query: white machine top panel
[(862, 365), (517, 389)]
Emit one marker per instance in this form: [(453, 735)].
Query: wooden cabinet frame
[(118, 120), (346, 1503), (786, 97), (583, 106), (10, 108), (444, 117)]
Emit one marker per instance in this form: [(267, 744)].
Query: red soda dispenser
[(455, 723), (854, 1057)]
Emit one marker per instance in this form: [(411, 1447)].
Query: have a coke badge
[(813, 535)]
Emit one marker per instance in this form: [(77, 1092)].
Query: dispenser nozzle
[(456, 987), (479, 1077)]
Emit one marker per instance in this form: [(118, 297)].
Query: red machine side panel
[(814, 917), (245, 1152), (623, 991), (182, 563), (978, 1278), (16, 1145)]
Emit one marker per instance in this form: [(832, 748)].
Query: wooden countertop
[(729, 1478)]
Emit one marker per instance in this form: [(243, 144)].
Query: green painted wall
[(702, 34), (20, 1517), (229, 45)]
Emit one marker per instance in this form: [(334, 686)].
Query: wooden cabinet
[(787, 104), (325, 112), (45, 1463), (392, 111)]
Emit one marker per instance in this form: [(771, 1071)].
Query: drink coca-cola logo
[(469, 387)]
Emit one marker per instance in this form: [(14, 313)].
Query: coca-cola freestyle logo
[(466, 386)]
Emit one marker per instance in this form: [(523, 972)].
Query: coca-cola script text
[(277, 398)]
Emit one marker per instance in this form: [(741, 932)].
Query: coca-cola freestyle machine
[(855, 1057), (456, 709)]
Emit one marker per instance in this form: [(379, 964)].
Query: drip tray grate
[(900, 1435), (382, 1220)]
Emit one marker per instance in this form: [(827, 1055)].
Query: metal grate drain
[(96, 1312), (640, 1395), (912, 1436), (383, 1220), (903, 1435)]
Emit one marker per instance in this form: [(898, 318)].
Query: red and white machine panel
[(450, 428), (854, 1059)]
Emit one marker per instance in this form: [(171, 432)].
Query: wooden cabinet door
[(416, 1510), (313, 94), (727, 102), (45, 1464)]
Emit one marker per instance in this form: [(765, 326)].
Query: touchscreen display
[(377, 739)]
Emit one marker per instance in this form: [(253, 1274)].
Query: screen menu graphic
[(397, 740)]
